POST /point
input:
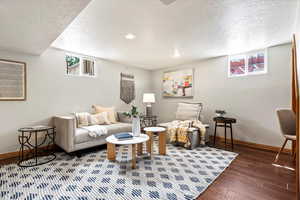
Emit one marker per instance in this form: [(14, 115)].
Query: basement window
[(251, 63), (80, 66)]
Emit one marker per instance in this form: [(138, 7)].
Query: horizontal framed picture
[(12, 80), (80, 66), (178, 83), (250, 63)]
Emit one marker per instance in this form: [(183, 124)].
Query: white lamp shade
[(149, 98)]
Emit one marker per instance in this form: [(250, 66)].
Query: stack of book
[(123, 136)]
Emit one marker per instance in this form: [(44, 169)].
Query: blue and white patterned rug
[(182, 174)]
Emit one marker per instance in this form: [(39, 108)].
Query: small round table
[(36, 149), (112, 141), (161, 139), (225, 122)]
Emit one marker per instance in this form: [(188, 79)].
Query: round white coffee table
[(135, 141), (161, 139)]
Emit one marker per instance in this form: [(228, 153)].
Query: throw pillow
[(123, 118), (100, 118), (110, 111), (82, 119)]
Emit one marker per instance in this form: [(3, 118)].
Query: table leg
[(231, 136), (133, 156), (111, 151), (22, 146), (140, 148), (162, 143), (215, 133), (150, 142), (225, 127), (36, 148)]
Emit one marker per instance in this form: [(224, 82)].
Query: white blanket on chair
[(96, 130)]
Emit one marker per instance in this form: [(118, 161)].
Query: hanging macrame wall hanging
[(127, 88)]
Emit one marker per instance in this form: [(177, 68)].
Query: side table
[(162, 138), (148, 121), (225, 122), (35, 152)]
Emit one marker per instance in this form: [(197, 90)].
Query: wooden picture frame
[(12, 80)]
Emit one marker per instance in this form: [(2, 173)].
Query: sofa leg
[(78, 154), (74, 154)]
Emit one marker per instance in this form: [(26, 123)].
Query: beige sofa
[(70, 138)]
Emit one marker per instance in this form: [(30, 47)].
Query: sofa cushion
[(82, 135), (118, 128)]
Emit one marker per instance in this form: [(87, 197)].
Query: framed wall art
[(80, 66), (251, 63), (12, 80), (178, 83)]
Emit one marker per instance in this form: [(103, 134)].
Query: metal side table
[(32, 152), (148, 121), (225, 122)]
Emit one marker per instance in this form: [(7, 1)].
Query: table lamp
[(148, 99)]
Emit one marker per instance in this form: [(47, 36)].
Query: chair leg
[(293, 147), (277, 156), (294, 150)]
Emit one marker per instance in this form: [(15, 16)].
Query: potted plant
[(136, 125)]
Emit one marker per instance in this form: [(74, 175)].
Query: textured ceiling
[(197, 28), (30, 26)]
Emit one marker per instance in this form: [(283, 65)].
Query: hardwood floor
[(251, 176)]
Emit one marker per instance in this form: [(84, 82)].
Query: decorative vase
[(136, 126)]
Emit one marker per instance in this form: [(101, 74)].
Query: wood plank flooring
[(251, 176)]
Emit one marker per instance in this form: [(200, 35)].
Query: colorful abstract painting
[(178, 83)]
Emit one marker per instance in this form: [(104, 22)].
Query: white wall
[(252, 100), (51, 92)]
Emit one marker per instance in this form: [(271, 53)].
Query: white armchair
[(189, 111)]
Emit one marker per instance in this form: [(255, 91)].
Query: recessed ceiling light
[(176, 54), (130, 36)]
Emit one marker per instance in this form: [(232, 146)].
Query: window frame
[(246, 56), (81, 58)]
